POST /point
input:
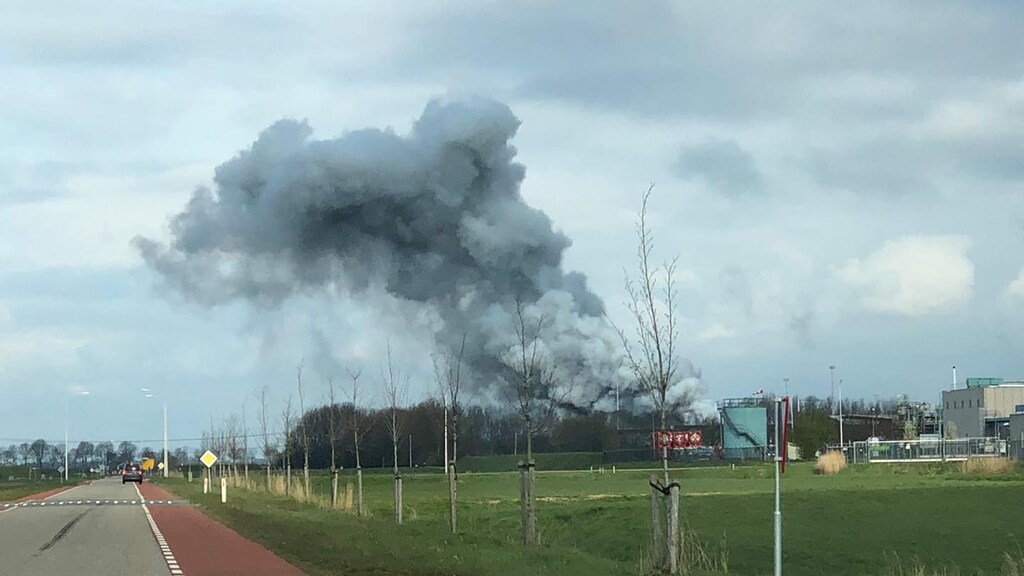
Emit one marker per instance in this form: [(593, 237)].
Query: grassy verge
[(855, 522), (10, 491)]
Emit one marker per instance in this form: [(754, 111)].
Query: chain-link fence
[(929, 450)]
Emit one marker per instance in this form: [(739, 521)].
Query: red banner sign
[(678, 439)]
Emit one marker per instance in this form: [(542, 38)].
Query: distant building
[(1017, 435), (982, 409)]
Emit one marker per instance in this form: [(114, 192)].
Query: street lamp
[(66, 398), (150, 394), (832, 383), (841, 412)]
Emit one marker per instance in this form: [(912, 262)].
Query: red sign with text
[(678, 439)]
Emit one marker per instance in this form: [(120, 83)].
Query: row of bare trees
[(531, 386)]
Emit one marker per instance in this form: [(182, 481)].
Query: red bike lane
[(204, 547)]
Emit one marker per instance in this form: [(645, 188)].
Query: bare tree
[(651, 353), (531, 386), (332, 432), (232, 442), (268, 448), (245, 445), (448, 373), (535, 393), (395, 386), (652, 357), (357, 429), (305, 434), (287, 421)]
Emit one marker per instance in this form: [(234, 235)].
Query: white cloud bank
[(1014, 290), (913, 276)]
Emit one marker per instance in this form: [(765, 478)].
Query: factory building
[(982, 409), (1017, 435)]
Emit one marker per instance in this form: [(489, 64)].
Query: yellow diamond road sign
[(209, 458)]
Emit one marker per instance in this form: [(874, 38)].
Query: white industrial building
[(982, 409)]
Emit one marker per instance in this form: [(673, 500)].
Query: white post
[(166, 463), (778, 508), (65, 439), (223, 489), (206, 482), (954, 377)]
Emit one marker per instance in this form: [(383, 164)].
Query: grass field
[(861, 521), (21, 486)]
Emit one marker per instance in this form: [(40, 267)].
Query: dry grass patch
[(830, 463), (987, 466)]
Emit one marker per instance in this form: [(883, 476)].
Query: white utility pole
[(841, 444), (779, 425), (832, 382), (150, 394)]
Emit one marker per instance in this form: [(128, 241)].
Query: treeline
[(86, 455), (482, 431)]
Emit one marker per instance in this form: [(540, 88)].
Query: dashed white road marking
[(172, 564)]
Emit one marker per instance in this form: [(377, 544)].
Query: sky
[(841, 187)]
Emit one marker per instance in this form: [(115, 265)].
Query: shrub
[(830, 462)]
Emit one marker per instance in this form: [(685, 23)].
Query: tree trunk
[(334, 488), (664, 449), (359, 491), (288, 479), (305, 470), (452, 512), (398, 499)]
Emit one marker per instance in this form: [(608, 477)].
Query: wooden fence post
[(673, 528), (656, 531)]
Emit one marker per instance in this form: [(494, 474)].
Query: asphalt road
[(82, 539)]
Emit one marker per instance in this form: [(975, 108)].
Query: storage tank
[(744, 428)]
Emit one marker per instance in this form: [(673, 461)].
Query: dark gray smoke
[(434, 217)]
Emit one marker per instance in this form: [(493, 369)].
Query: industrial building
[(982, 409)]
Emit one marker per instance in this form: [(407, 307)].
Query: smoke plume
[(433, 217)]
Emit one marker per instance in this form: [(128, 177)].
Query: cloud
[(1016, 288), (715, 332), (913, 276), (725, 166)]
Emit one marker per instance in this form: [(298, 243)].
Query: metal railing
[(927, 450)]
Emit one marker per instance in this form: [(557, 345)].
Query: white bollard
[(206, 484), (223, 490)]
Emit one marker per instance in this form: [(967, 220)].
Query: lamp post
[(832, 383), (841, 445), (66, 398), (150, 394)]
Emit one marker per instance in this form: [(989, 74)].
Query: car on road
[(131, 472)]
